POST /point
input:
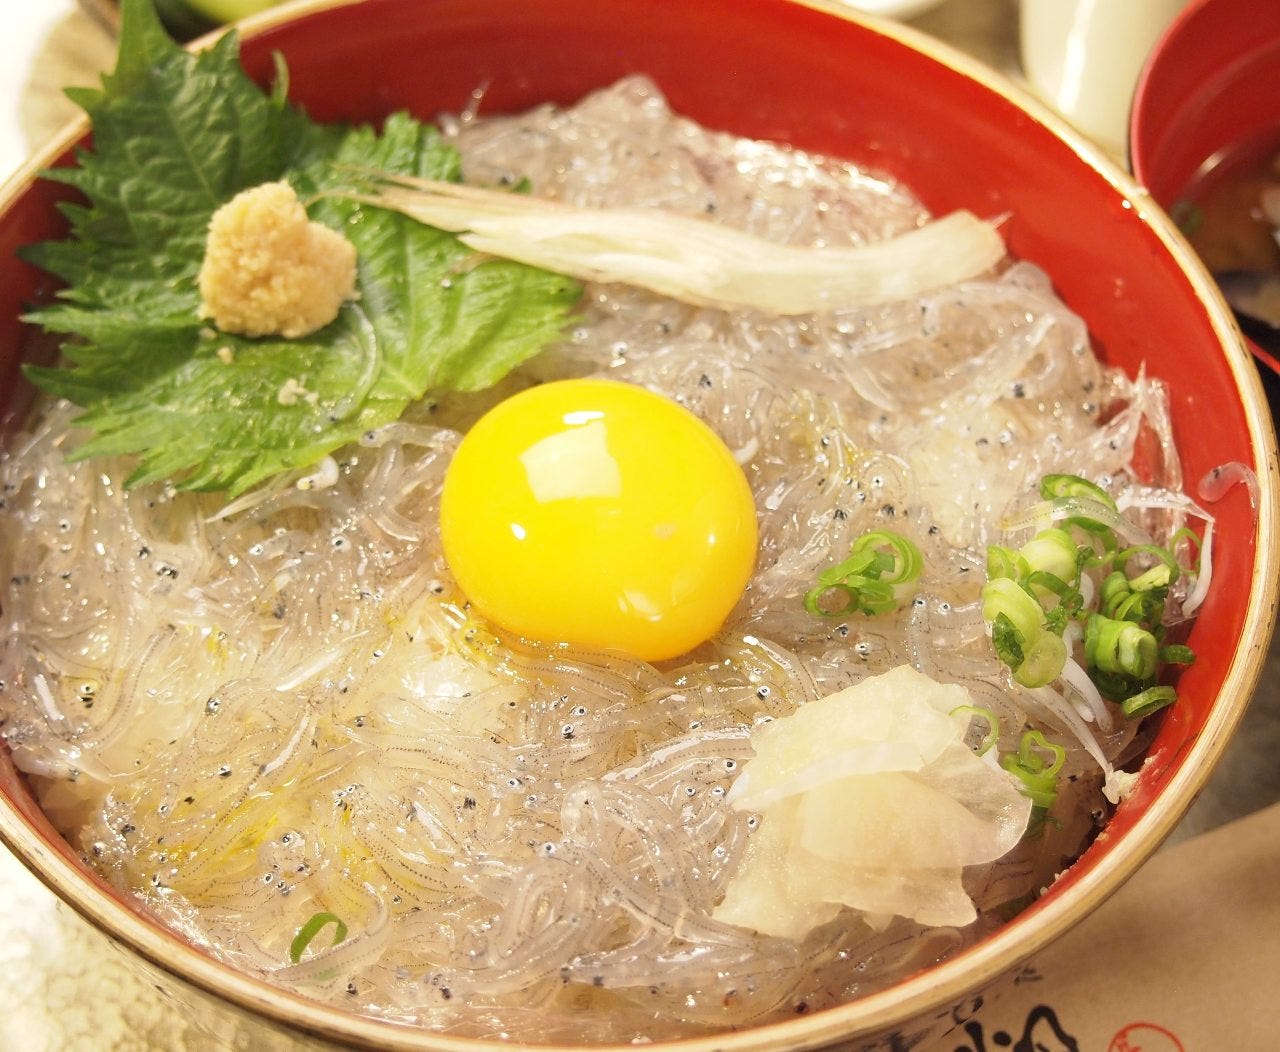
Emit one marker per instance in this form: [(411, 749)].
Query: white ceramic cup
[(1083, 57)]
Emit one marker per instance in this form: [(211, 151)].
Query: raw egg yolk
[(599, 514)]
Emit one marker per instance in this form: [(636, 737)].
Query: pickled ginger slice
[(870, 799)]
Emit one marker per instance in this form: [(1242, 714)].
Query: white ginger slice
[(871, 799)]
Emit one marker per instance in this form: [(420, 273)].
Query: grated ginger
[(270, 271)]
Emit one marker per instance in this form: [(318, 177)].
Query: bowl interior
[(1208, 85), (1206, 102), (882, 96)]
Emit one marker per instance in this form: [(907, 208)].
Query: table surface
[(65, 990)]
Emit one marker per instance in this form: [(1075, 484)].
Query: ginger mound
[(269, 270)]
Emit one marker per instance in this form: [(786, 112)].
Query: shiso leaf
[(175, 136)]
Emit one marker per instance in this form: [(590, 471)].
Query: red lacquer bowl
[(1207, 91), (875, 93)]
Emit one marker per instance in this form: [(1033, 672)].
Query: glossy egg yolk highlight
[(597, 513)]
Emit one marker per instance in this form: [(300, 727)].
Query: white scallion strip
[(1058, 706), (1092, 708), (692, 259), (1205, 577)]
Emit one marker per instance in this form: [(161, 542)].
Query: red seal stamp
[(1145, 1037)]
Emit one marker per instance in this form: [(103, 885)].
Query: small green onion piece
[(1043, 661), (1019, 633), (1193, 540), (1003, 561), (1160, 576), (1176, 654), (993, 724), (1148, 701), (1007, 597), (814, 597), (1006, 640), (877, 597), (1113, 594), (1090, 558), (868, 597), (311, 929), (1119, 647), (1049, 583), (1119, 601), (1114, 686), (860, 563), (876, 578), (1040, 798), (1144, 608), (1038, 775), (1052, 551), (1032, 594), (1053, 487), (1069, 599), (907, 560)]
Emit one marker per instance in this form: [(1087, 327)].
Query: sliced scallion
[(311, 929), (1052, 551), (1006, 597), (1042, 660), (1145, 702), (1034, 593), (1021, 634), (1054, 486), (1176, 654), (877, 577), (1005, 562), (1036, 765), (1121, 647)]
